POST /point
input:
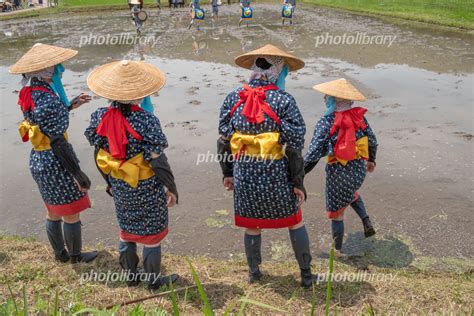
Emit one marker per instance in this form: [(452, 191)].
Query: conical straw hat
[(42, 56), (247, 60), (126, 80), (340, 88)]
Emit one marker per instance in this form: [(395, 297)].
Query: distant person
[(261, 138), (215, 9), (344, 135), (288, 10), (158, 4), (197, 13), (129, 149), (135, 13), (53, 163), (246, 12)]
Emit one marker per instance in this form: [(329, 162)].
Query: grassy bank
[(426, 285), (457, 13)]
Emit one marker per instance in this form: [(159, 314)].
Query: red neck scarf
[(347, 122), (255, 105), (25, 99), (115, 127)]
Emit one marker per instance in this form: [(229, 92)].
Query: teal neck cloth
[(57, 84), (281, 82), (147, 105), (331, 105)]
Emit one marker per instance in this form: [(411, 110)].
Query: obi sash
[(361, 152), (264, 145), (130, 171), (32, 133)]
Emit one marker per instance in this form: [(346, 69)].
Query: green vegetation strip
[(458, 13)]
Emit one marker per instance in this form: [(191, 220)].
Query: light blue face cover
[(147, 105), (280, 83), (330, 104), (57, 84)]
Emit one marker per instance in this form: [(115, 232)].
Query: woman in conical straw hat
[(261, 137), (53, 163), (346, 138), (129, 150)]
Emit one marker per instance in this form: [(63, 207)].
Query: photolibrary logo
[(361, 276), (113, 276), (359, 38), (118, 39), (210, 157)]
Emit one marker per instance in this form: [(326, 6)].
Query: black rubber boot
[(73, 238), (253, 248), (152, 265), (54, 230), (129, 261), (300, 243), (368, 228), (359, 207)]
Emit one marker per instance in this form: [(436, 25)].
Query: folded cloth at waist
[(362, 152), (131, 171), (31, 132), (264, 145)]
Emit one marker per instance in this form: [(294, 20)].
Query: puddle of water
[(421, 104)]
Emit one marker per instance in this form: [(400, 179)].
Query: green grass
[(458, 13)]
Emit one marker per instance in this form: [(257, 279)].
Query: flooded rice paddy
[(420, 105)]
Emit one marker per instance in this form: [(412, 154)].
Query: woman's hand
[(299, 196), (171, 199), (80, 100), (370, 166), (229, 183)]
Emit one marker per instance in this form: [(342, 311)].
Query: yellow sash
[(130, 171), (263, 145), (362, 151), (33, 133)]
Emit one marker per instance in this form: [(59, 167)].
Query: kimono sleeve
[(293, 127), (319, 146)]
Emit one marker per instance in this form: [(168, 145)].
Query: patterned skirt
[(263, 195), (56, 185), (342, 183), (141, 212)]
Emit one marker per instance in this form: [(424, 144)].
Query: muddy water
[(421, 107)]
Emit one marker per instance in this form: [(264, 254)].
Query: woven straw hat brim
[(42, 56), (340, 88), (126, 80), (248, 59)]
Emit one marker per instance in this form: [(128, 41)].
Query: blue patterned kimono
[(263, 193), (342, 182), (56, 185), (141, 211)]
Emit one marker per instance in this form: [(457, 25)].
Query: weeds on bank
[(13, 307), (31, 283)]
